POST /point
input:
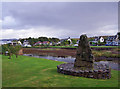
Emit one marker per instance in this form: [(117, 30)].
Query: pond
[(113, 64)]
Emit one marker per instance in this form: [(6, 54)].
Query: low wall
[(68, 69)]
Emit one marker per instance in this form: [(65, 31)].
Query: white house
[(19, 43), (98, 39), (26, 44), (67, 39), (101, 39)]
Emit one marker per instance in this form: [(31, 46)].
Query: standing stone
[(84, 65), (84, 57)]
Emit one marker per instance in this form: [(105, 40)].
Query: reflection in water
[(112, 64)]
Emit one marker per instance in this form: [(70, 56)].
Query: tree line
[(34, 40)]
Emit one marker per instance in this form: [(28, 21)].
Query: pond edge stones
[(84, 65)]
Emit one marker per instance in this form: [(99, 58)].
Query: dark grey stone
[(84, 57)]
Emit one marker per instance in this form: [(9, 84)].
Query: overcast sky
[(58, 19)]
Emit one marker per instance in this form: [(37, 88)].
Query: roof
[(38, 42), (64, 39), (44, 42), (112, 37)]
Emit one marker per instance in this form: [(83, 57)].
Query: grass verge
[(75, 47)]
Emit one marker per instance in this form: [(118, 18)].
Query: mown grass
[(75, 47), (37, 72)]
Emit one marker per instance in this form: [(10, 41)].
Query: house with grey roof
[(112, 41)]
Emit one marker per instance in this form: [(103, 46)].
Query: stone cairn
[(84, 57), (84, 65)]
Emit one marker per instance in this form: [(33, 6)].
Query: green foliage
[(65, 42), (15, 49), (43, 39), (118, 35), (101, 43), (74, 41), (91, 39), (11, 49), (54, 39), (6, 47)]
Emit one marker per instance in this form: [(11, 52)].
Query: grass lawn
[(37, 72)]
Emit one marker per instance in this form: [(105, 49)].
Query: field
[(37, 72)]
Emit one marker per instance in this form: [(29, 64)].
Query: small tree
[(16, 49), (11, 49), (7, 47), (3, 49)]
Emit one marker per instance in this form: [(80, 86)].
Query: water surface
[(114, 65)]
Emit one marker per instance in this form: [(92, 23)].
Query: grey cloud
[(80, 17)]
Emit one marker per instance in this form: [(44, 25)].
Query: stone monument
[(84, 57), (84, 65)]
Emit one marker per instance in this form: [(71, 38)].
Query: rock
[(84, 57)]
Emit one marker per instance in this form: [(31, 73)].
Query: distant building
[(101, 39), (97, 39), (26, 44), (112, 41), (67, 39), (45, 42), (38, 43), (42, 43), (19, 42)]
